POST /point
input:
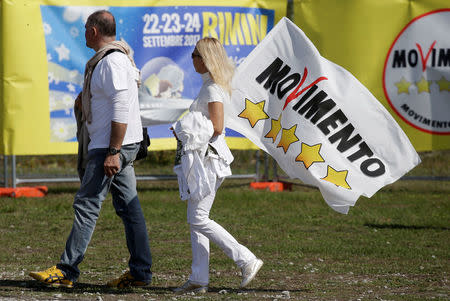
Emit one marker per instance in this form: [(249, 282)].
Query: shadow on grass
[(80, 288), (405, 227)]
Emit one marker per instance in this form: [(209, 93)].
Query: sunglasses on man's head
[(195, 55)]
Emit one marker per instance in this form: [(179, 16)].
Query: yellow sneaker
[(126, 280), (52, 277)]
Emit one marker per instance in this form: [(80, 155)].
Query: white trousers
[(204, 230)]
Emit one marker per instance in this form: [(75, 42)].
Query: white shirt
[(209, 92), (114, 98), (212, 92)]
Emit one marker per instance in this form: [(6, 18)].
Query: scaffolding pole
[(5, 169), (13, 171)]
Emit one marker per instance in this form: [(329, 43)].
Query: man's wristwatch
[(113, 151)]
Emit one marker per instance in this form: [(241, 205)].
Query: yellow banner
[(43, 55), (399, 50)]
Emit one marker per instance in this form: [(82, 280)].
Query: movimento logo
[(416, 77)]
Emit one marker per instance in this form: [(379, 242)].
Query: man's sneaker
[(52, 277), (249, 271), (189, 286), (126, 280)]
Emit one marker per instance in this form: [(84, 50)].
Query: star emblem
[(51, 77), (309, 155), (70, 87), (253, 112), (402, 86), (276, 127), (423, 85), (47, 28), (338, 178), (444, 84), (63, 52), (287, 138)]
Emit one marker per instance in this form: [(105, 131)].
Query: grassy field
[(394, 246)]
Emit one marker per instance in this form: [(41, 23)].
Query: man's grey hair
[(104, 21)]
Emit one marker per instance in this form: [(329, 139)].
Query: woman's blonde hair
[(216, 60)]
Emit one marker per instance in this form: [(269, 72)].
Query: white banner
[(317, 120)]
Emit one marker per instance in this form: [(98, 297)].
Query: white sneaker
[(189, 286), (249, 271)]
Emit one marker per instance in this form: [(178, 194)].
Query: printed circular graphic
[(416, 76)]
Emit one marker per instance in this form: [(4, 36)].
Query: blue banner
[(162, 39)]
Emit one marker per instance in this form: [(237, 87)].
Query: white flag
[(316, 119)]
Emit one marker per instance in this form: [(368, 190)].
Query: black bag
[(143, 146)]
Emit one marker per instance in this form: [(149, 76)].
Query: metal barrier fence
[(14, 180)]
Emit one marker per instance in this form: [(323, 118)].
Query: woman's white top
[(199, 149), (209, 92)]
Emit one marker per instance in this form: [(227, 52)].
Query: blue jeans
[(87, 204)]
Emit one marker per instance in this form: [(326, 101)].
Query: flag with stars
[(316, 120)]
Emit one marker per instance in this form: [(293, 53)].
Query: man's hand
[(111, 165), (112, 162)]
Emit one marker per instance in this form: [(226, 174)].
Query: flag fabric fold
[(316, 119)]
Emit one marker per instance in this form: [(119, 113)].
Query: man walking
[(110, 112)]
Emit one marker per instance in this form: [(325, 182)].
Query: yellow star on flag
[(276, 127), (402, 86), (338, 178), (309, 155), (287, 138), (444, 84), (423, 85), (253, 112)]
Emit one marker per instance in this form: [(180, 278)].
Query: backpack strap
[(106, 54)]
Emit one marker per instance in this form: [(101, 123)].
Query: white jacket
[(199, 154)]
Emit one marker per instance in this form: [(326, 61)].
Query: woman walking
[(204, 163)]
